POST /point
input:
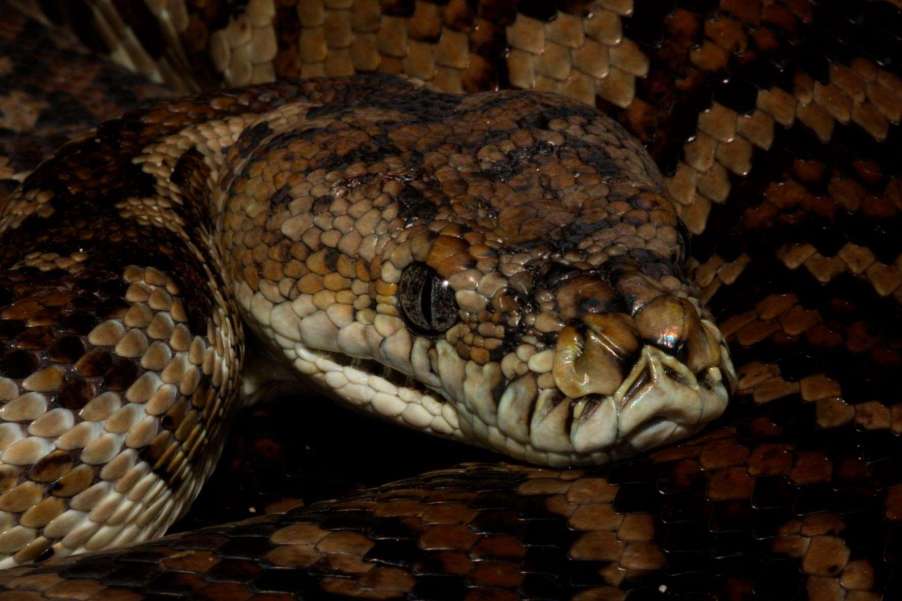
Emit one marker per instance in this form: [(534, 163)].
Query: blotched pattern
[(383, 238)]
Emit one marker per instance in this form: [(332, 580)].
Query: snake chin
[(660, 401)]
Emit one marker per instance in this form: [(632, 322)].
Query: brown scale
[(84, 90), (185, 302), (797, 497), (91, 340), (311, 219)]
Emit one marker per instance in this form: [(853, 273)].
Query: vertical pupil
[(426, 300), (426, 294)]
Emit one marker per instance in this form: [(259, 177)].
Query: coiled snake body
[(506, 268)]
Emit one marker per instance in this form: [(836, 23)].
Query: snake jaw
[(659, 401), (435, 297), (613, 385)]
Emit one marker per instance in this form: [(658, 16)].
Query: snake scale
[(535, 227)]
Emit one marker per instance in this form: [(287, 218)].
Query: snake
[(644, 253)]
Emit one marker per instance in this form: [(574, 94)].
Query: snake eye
[(427, 301)]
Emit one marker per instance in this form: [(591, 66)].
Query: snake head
[(500, 268), (566, 353)]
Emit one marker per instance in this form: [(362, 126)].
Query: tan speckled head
[(502, 268)]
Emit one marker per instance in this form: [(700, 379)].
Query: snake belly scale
[(506, 268)]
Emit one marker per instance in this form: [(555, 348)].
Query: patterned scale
[(777, 127)]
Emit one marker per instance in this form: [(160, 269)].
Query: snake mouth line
[(371, 366), (371, 386), (659, 401)]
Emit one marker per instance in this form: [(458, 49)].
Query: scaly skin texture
[(790, 180), (357, 222)]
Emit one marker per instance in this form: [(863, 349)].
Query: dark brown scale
[(191, 175), (75, 393), (153, 452), (10, 328), (18, 364), (94, 363), (174, 417), (183, 428), (202, 395), (398, 8), (120, 374), (78, 15), (37, 337), (67, 349), (72, 481), (250, 139), (52, 466)]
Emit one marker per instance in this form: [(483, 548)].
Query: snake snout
[(638, 381), (634, 364)]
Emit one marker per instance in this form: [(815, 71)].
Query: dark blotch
[(367, 155), (67, 349), (76, 393), (18, 364), (51, 467), (331, 258), (414, 206), (53, 10), (36, 338), (515, 160), (10, 328), (553, 274), (191, 174), (397, 8), (596, 157), (281, 197), (321, 204), (82, 21), (79, 322), (121, 374), (190, 162), (94, 364), (571, 235), (251, 138), (326, 110), (539, 9)]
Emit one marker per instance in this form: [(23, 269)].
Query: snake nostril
[(586, 294), (673, 325), (666, 322), (634, 289)]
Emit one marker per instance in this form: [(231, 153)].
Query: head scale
[(503, 268)]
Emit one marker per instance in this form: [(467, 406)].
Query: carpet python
[(508, 268)]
